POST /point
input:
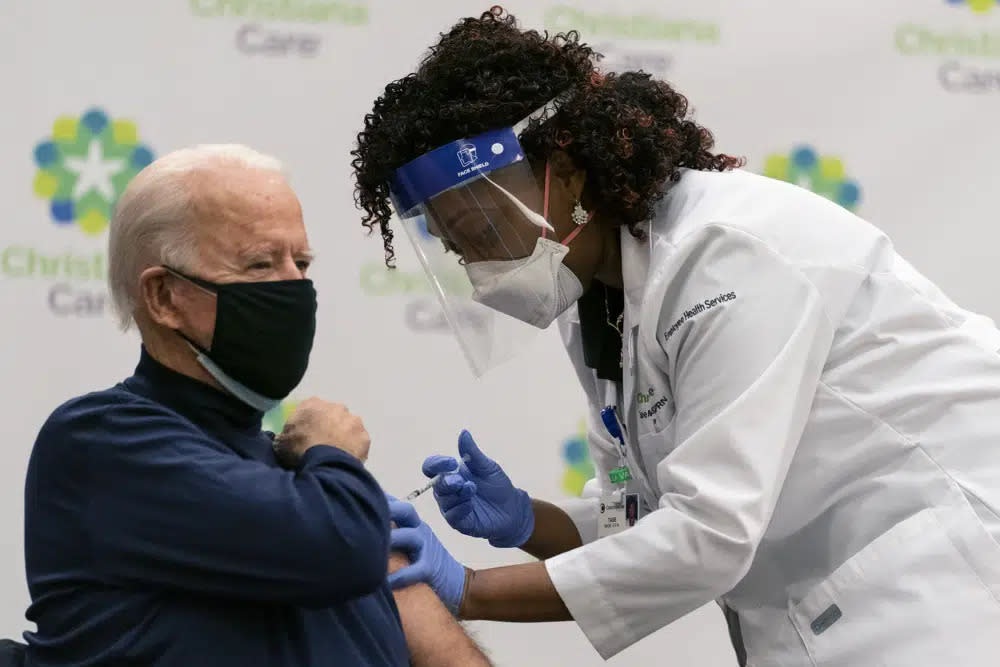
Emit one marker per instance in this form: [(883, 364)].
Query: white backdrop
[(890, 106)]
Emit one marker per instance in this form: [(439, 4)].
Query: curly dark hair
[(630, 132)]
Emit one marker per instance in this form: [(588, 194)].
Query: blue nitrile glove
[(479, 499), (430, 562)]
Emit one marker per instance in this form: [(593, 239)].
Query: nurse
[(808, 427)]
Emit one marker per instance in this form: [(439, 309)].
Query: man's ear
[(155, 293), (572, 177)]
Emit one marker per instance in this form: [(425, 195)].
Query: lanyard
[(613, 424), (619, 429)]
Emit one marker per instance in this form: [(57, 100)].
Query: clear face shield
[(477, 217)]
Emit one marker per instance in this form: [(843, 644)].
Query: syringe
[(416, 492)]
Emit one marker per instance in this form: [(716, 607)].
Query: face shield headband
[(455, 163)]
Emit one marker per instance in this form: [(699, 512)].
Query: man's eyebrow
[(268, 249), (257, 249)]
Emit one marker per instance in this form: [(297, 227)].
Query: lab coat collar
[(635, 268), (677, 203)]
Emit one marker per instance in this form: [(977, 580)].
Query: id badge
[(618, 511)]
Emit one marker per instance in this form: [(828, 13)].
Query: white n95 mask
[(536, 289)]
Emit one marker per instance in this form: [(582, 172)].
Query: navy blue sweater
[(160, 531)]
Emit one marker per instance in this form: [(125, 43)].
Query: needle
[(413, 494)]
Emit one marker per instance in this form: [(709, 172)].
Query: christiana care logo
[(282, 28), (980, 6), (823, 174), (576, 457), (631, 40), (80, 171), (84, 167), (962, 46), (645, 26)]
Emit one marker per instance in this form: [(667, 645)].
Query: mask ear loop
[(532, 216), (545, 201), (545, 211), (572, 234), (204, 285)]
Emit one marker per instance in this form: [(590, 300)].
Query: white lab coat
[(825, 454)]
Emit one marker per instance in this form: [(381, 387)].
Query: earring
[(579, 215)]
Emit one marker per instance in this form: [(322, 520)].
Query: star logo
[(823, 174), (84, 167), (94, 172)]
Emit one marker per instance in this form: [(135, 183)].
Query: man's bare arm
[(434, 637)]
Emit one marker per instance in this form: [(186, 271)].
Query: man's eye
[(260, 266), (303, 264)]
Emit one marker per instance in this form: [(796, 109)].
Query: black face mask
[(263, 333)]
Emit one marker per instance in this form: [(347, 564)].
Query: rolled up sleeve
[(169, 508)]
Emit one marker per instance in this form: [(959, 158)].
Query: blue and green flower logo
[(579, 467), (823, 174), (978, 6), (84, 167)]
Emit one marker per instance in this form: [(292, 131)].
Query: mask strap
[(545, 211), (200, 283), (203, 285), (235, 387), (545, 201), (579, 228), (198, 349), (533, 216)]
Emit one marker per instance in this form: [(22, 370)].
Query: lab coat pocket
[(654, 408), (914, 596), (655, 447)]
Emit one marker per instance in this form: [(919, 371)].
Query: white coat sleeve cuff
[(588, 602), (583, 513)]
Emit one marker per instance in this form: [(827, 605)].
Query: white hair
[(151, 222)]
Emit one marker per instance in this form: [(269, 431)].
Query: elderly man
[(163, 527)]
